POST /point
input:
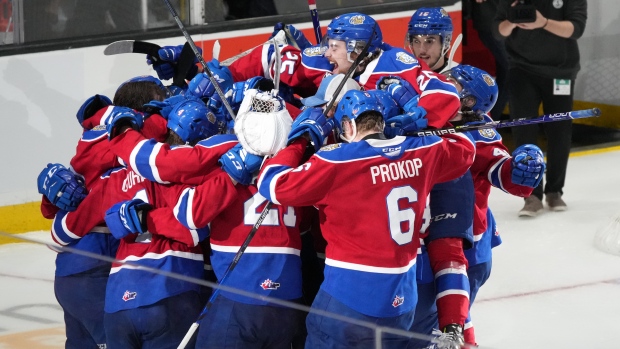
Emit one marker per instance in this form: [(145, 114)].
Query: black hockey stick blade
[(132, 46), (185, 63)]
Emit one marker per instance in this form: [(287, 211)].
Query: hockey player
[(429, 34), (346, 36), (494, 166), (132, 294), (377, 255), (80, 281), (271, 263)]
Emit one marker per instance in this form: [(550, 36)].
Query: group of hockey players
[(363, 211)]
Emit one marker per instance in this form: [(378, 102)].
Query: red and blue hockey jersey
[(372, 195)]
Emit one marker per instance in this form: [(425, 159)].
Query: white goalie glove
[(263, 123)]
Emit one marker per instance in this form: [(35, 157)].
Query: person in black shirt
[(544, 61)]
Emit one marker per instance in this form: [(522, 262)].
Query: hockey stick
[(315, 21), (205, 68), (231, 267), (133, 46), (575, 114), (457, 43)]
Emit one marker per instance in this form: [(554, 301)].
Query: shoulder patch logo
[(355, 20), (98, 128), (558, 4), (127, 296), (487, 133), (313, 51), (405, 58), (331, 147)]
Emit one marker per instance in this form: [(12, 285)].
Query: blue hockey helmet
[(355, 29), (353, 104), (91, 106), (431, 21), (192, 121), (479, 91), (389, 105)]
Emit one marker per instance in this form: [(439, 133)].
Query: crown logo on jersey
[(488, 79), (443, 12), (405, 58), (269, 285), (398, 301), (127, 296), (358, 19), (313, 51)]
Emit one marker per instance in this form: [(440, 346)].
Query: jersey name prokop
[(396, 170)]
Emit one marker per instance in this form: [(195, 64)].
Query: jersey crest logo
[(313, 51), (488, 79), (269, 285), (405, 58), (98, 128), (127, 296), (398, 301), (330, 147), (487, 133), (355, 20)]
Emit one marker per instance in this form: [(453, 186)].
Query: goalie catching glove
[(62, 187), (528, 165), (127, 217)]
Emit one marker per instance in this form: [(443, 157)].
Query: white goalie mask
[(263, 123)]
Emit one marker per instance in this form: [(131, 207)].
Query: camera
[(522, 12)]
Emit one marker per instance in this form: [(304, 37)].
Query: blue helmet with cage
[(355, 29), (479, 91), (192, 121), (352, 105), (431, 21)]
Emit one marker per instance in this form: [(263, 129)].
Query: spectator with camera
[(541, 41)]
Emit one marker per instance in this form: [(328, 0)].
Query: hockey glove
[(240, 165), (292, 34), (164, 107), (169, 55), (122, 117), (202, 87), (62, 187), (400, 125), (528, 165), (127, 217), (401, 91), (313, 122)]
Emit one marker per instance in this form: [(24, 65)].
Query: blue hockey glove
[(313, 122), (528, 165), (175, 90), (123, 117), (164, 107), (62, 187), (292, 35), (401, 91), (402, 124), (91, 106), (127, 217), (201, 86), (240, 165), (222, 74), (168, 55)]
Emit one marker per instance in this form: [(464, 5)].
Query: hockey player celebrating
[(428, 37), (377, 255)]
